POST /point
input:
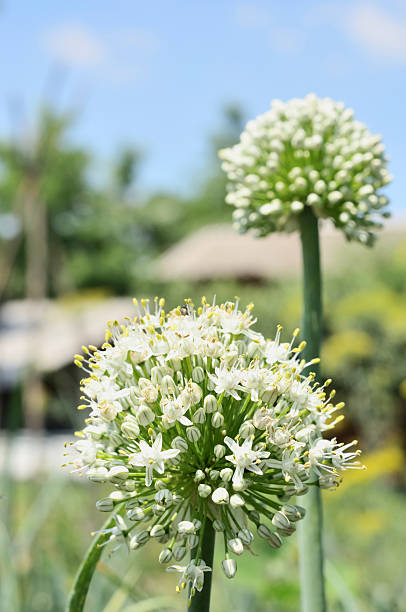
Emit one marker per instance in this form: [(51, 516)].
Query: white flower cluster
[(307, 152), (196, 418)]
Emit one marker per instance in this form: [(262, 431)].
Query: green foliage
[(101, 235)]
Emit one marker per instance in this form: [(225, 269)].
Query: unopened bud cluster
[(194, 417), (307, 152)]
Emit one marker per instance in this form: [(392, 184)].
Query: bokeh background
[(111, 116)]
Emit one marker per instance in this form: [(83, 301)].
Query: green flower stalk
[(203, 426), (305, 160), (311, 533)]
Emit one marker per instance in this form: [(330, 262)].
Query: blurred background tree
[(41, 177)]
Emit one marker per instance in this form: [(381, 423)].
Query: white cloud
[(378, 32), (75, 45), (118, 57)]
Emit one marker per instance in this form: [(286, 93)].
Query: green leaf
[(87, 568)]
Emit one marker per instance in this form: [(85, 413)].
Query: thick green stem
[(310, 529), (86, 570), (200, 602)]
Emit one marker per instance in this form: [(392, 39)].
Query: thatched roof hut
[(218, 252)]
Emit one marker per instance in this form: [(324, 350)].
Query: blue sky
[(157, 74)]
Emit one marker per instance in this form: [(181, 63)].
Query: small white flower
[(174, 410), (227, 381), (152, 458), (244, 458), (192, 574)]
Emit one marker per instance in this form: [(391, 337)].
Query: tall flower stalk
[(201, 425), (301, 161), (200, 602), (310, 532)]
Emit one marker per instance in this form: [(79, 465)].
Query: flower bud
[(210, 404), (167, 385), (274, 540), (280, 520), (229, 567), (254, 516), (157, 374), (287, 531), (199, 476), (253, 349), (236, 546), (164, 497), (105, 505), (236, 501), (193, 433), (204, 490), (133, 502), (264, 531), (269, 396), (157, 531), (179, 443), (165, 555), (217, 420), (118, 473), (199, 416), (220, 496), (192, 541), (97, 474), (179, 552), (219, 451), (226, 474), (261, 418), (214, 475), (247, 429), (246, 536), (186, 527), (145, 415), (198, 374), (139, 539), (176, 366), (130, 427), (240, 485), (294, 513), (129, 485), (117, 496), (115, 439), (136, 514)]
